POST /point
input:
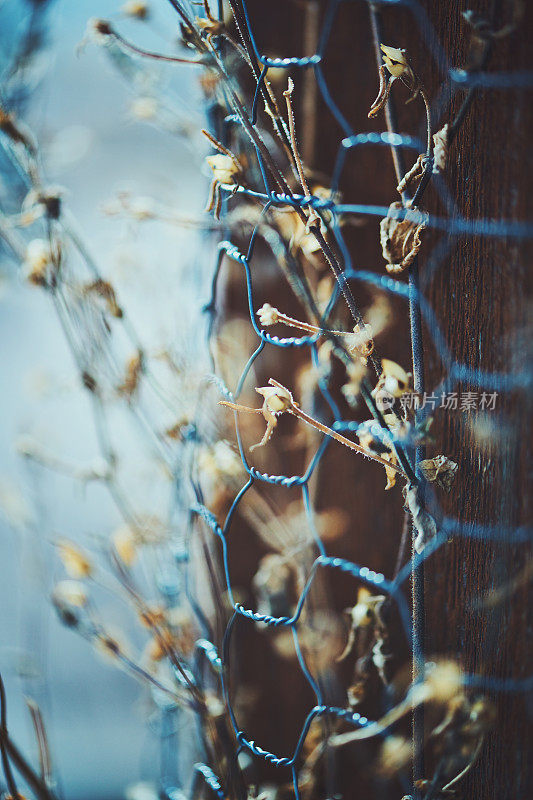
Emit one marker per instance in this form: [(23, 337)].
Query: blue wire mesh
[(455, 372)]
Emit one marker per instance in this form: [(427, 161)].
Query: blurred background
[(102, 132)]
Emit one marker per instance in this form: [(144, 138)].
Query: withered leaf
[(424, 524), (440, 470), (400, 236), (440, 149)]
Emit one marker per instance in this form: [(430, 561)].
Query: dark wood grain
[(481, 296)]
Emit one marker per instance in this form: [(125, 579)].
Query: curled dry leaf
[(440, 470), (440, 149), (416, 171), (297, 232), (400, 236), (425, 525)]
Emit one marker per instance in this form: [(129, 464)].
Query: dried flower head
[(277, 400), (397, 67), (298, 234), (268, 315), (136, 8), (439, 469), (40, 262), (69, 593), (125, 545), (98, 30), (223, 168), (365, 610), (144, 108), (227, 170), (395, 59), (400, 236), (375, 439), (392, 384), (77, 564), (360, 342)]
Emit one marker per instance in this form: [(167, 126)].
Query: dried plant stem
[(149, 54), (417, 582), (468, 767), (297, 412), (309, 94), (294, 141), (306, 326), (42, 741)]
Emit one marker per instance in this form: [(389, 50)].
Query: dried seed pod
[(400, 236)]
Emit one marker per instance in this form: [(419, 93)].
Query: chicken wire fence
[(84, 316)]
